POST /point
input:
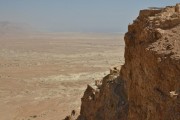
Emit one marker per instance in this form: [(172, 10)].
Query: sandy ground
[(42, 77)]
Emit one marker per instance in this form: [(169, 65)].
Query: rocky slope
[(152, 65), (148, 85)]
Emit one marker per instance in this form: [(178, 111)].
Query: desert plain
[(43, 76)]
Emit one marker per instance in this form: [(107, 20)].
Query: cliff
[(147, 86), (152, 65)]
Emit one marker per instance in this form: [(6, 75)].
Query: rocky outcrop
[(148, 84), (152, 65), (73, 116), (108, 102)]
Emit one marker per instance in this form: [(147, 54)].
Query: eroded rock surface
[(152, 65), (148, 84), (109, 102)]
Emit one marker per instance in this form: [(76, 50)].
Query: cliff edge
[(152, 65), (147, 86)]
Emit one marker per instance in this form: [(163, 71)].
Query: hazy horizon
[(75, 16)]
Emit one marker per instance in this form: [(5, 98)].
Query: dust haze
[(43, 75)]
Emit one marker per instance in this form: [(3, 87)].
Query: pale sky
[(76, 15)]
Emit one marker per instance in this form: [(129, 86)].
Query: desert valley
[(43, 76), (84, 60)]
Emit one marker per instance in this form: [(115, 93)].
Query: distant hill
[(10, 28)]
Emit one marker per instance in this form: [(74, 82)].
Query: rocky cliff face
[(152, 65), (106, 102), (148, 85)]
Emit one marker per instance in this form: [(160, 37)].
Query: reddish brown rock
[(148, 85), (107, 103), (152, 65)]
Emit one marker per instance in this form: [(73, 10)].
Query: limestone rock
[(177, 8), (110, 103), (147, 86), (152, 65)]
